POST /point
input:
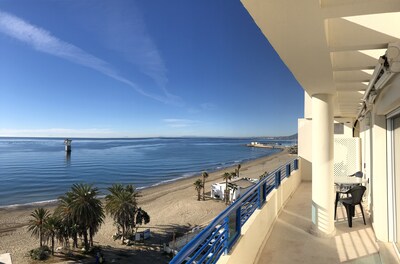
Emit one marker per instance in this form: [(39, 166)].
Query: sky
[(125, 68)]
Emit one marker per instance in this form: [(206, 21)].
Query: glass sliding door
[(396, 175)]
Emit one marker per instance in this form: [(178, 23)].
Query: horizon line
[(145, 137)]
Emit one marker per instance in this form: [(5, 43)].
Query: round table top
[(349, 180)]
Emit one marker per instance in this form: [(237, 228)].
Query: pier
[(260, 145)]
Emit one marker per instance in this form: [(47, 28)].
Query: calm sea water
[(35, 170)]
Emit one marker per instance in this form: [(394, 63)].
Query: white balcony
[(286, 238)]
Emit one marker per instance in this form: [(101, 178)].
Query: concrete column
[(323, 197)]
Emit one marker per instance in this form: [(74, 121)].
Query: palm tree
[(227, 176), (142, 217), (68, 227), (86, 210), (52, 225), (36, 224), (64, 233), (205, 176), (265, 174), (234, 188), (238, 170), (198, 185), (121, 205)]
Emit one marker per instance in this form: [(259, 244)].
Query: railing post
[(288, 170), (239, 220), (258, 197), (277, 179), (226, 227), (296, 164), (264, 192)]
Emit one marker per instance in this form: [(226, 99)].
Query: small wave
[(227, 165), (189, 174), (160, 183), (184, 176), (28, 204)]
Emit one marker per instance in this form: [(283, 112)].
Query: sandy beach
[(173, 208)]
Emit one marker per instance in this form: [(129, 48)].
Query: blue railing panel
[(207, 246), (288, 170), (264, 193), (277, 179), (248, 209), (215, 245)]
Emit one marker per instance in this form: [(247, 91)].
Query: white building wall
[(387, 101), (307, 106), (304, 139), (304, 147), (379, 177), (347, 127), (366, 160)]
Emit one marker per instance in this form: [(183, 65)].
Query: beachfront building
[(346, 56), (236, 187)]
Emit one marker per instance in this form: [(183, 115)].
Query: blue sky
[(140, 69)]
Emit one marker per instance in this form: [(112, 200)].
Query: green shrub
[(40, 253)]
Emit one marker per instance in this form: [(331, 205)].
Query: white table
[(349, 180)]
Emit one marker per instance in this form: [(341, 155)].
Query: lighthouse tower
[(67, 143)]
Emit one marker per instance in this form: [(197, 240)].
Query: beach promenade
[(173, 208)]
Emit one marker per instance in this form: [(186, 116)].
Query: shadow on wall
[(306, 169), (320, 219)]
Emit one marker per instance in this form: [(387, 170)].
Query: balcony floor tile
[(291, 242)]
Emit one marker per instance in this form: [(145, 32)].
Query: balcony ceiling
[(330, 46)]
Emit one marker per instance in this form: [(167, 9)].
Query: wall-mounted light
[(393, 50), (393, 56)]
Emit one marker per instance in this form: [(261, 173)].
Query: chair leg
[(362, 211), (336, 202), (353, 210), (349, 215)]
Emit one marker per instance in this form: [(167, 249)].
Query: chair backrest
[(357, 193), (358, 174)]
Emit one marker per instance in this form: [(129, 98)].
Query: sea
[(38, 170)]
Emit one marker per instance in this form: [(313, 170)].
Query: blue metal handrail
[(201, 248)]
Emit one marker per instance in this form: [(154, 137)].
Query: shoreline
[(53, 202), (173, 209), (213, 176)]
